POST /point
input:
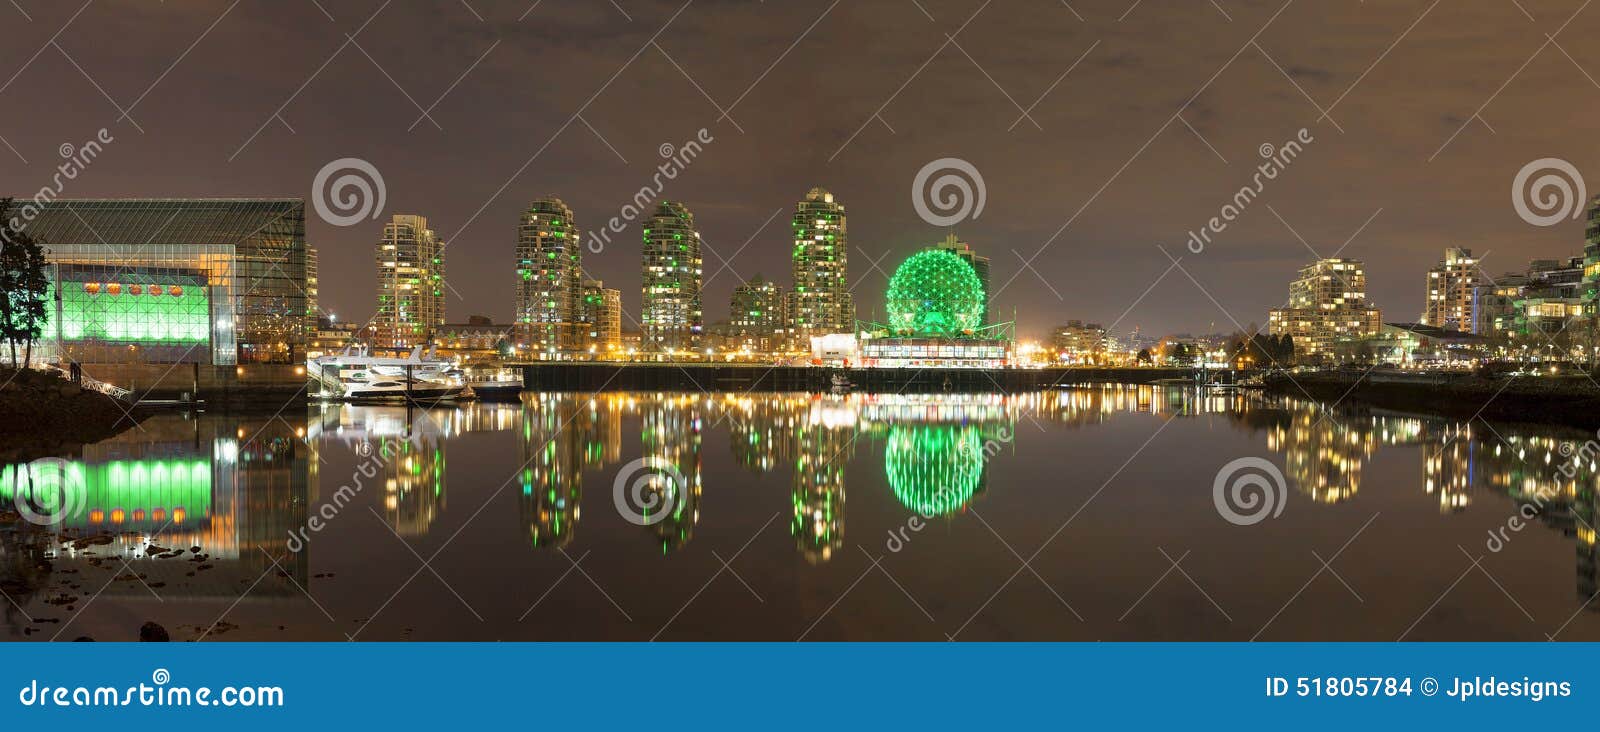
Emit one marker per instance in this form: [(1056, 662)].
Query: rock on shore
[(43, 414)]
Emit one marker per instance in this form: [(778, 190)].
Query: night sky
[(1440, 105)]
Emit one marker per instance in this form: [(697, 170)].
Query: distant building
[(411, 274), (333, 338), (1327, 305), (980, 265), (821, 298), (549, 280), (1451, 284), (1078, 341), (199, 280), (471, 339), (672, 317), (756, 310), (600, 319)]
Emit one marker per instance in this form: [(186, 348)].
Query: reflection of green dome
[(935, 293), (934, 470)]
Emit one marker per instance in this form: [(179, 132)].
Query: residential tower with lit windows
[(411, 283), (600, 320), (1451, 285), (671, 319), (756, 315), (549, 280), (1327, 305), (820, 302)]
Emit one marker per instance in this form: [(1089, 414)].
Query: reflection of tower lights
[(817, 491), (562, 434), (671, 432), (1323, 457)]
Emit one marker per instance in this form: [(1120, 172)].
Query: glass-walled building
[(214, 281)]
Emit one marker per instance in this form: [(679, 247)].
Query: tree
[(1144, 357), (24, 286)]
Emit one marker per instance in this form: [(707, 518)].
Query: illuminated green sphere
[(935, 470), (935, 294)]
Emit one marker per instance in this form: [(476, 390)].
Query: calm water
[(802, 516)]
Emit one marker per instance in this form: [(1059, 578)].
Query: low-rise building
[(1404, 343), (1079, 342), (477, 338)]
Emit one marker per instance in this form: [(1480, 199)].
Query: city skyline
[(1092, 179)]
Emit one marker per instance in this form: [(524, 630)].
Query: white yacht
[(354, 375)]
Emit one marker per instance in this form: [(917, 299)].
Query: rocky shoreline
[(43, 414), (1572, 401)]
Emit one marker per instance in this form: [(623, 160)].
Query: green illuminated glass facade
[(935, 293), (245, 261), (99, 308), (119, 494)]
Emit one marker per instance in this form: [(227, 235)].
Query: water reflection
[(238, 486), (138, 505)]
